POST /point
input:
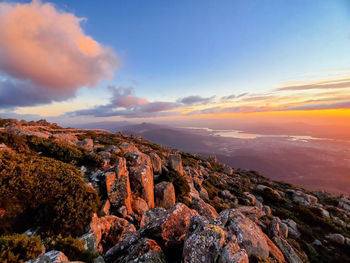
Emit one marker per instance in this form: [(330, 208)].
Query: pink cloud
[(49, 48)]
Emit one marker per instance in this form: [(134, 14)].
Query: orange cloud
[(48, 48)]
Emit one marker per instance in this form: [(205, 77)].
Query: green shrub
[(270, 196), (180, 184), (42, 192), (19, 248), (73, 248)]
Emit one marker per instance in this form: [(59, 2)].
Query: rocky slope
[(161, 205)]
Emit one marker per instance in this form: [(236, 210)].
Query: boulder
[(52, 256), (292, 228), (336, 238), (118, 186), (87, 144), (290, 255), (225, 194), (66, 138), (139, 205), (344, 203), (208, 242), (175, 163), (142, 250), (100, 228), (204, 208), (164, 195), (150, 215), (249, 235), (304, 199), (278, 228), (252, 212), (141, 176), (156, 163)]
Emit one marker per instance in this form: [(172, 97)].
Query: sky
[(114, 60)]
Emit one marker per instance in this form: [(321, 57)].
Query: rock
[(303, 198), (101, 228), (105, 207), (288, 252), (164, 195), (292, 228), (106, 157), (204, 208), (252, 212), (65, 137), (275, 252), (127, 147), (118, 186), (208, 242), (52, 256), (139, 205), (150, 215), (141, 176), (249, 235), (344, 203), (317, 242), (3, 147), (225, 194), (156, 163), (267, 210), (175, 163), (228, 170), (336, 238), (324, 212), (87, 144), (277, 228), (250, 197), (142, 250), (347, 241)]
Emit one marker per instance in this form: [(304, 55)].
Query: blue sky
[(173, 49)]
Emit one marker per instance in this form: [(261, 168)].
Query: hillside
[(94, 196)]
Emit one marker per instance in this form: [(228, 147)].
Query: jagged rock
[(249, 235), (142, 250), (277, 228), (204, 208), (150, 215), (139, 205), (207, 242), (118, 186), (292, 228), (344, 203), (101, 227), (275, 252), (52, 256), (303, 198), (203, 193), (267, 210), (288, 252), (336, 238), (156, 163), (252, 212), (141, 176), (87, 144), (164, 195), (175, 163)]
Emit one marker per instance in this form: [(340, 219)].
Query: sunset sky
[(112, 60)]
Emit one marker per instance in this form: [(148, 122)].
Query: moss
[(19, 248), (180, 184), (42, 192)]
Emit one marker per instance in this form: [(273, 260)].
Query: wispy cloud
[(330, 84), (196, 100), (45, 56)]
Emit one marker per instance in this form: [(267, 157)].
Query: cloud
[(46, 56), (324, 106), (233, 96), (331, 84), (124, 103), (196, 100)]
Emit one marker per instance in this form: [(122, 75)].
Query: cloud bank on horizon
[(45, 57)]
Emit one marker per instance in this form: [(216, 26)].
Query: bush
[(64, 152), (19, 248), (14, 141), (180, 184), (73, 248), (270, 196), (42, 192)]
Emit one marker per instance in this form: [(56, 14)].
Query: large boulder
[(336, 238), (87, 144), (175, 163), (141, 176), (207, 242), (139, 205), (204, 208), (118, 186), (287, 250), (164, 195), (252, 212), (249, 235)]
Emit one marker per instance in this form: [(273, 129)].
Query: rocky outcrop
[(175, 163), (118, 186), (156, 163), (288, 252), (139, 205), (204, 208), (141, 176), (249, 235), (87, 144), (164, 195)]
